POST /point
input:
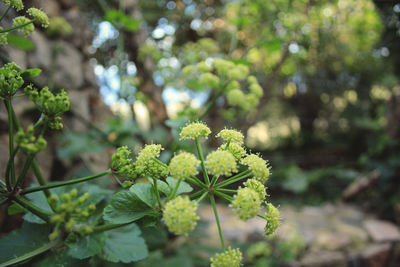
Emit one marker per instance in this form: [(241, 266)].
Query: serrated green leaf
[(30, 73), (60, 259), (125, 207), (124, 245), (20, 42), (87, 246), (183, 187), (146, 193), (22, 241)]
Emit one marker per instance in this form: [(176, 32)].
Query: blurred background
[(328, 121)]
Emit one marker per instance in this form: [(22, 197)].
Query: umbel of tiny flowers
[(273, 218), (221, 162), (246, 203), (40, 16), (179, 215), (27, 141), (229, 258), (257, 187), (231, 136), (28, 27), (184, 165), (121, 163), (258, 167), (17, 4), (147, 163), (195, 130), (10, 80), (235, 149)]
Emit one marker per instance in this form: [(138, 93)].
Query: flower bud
[(256, 186), (229, 258), (147, 165), (40, 16), (22, 20), (184, 165), (180, 215), (221, 162), (246, 203), (273, 218)]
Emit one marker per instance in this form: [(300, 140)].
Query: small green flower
[(27, 141), (22, 20), (246, 203), (121, 163), (59, 26), (223, 66), (180, 215), (147, 165), (10, 80), (258, 167), (236, 150), (40, 16), (256, 186), (186, 71), (203, 67), (209, 80), (238, 72), (3, 37), (194, 130), (221, 162), (184, 165), (235, 97), (232, 136), (256, 89), (273, 218), (229, 258), (17, 4)]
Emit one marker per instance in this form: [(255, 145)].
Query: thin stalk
[(39, 177), (226, 190), (106, 227), (202, 197), (262, 216), (63, 183), (224, 196), (221, 236), (44, 215), (196, 182), (31, 254), (214, 180), (201, 156), (157, 192), (235, 178), (198, 193), (17, 27), (25, 169), (11, 145), (5, 12), (160, 162), (175, 189)]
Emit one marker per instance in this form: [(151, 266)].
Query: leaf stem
[(39, 177), (106, 227), (196, 181), (42, 214), (221, 236), (171, 196), (63, 183), (25, 169), (224, 196), (226, 190), (214, 180), (235, 178), (198, 193), (157, 192), (202, 197), (203, 166), (11, 182)]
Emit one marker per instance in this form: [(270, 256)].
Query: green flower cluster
[(194, 130), (121, 163), (241, 90), (147, 163), (28, 143), (40, 16), (258, 167), (231, 136), (52, 106), (68, 213), (257, 187), (229, 258), (221, 162), (58, 26), (273, 218), (17, 4), (26, 25), (3, 37), (184, 165), (10, 80), (180, 216), (246, 203)]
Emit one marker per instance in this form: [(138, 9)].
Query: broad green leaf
[(20, 42), (60, 258), (87, 246), (15, 208), (124, 245), (163, 187), (39, 200), (145, 193), (183, 187), (125, 207), (30, 73), (23, 241)]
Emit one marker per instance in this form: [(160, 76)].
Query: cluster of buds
[(10, 80), (241, 90), (28, 143), (51, 105), (70, 213), (229, 258), (121, 163)]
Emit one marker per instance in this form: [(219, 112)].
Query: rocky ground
[(329, 235)]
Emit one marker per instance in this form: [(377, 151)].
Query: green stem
[(63, 183), (42, 214), (221, 236), (171, 196), (201, 156), (202, 197), (39, 177), (262, 216), (5, 12), (224, 196), (210, 105), (198, 193), (214, 180), (106, 227), (160, 162), (17, 27), (31, 254), (226, 190), (235, 178), (157, 192), (25, 169), (196, 182), (11, 145)]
